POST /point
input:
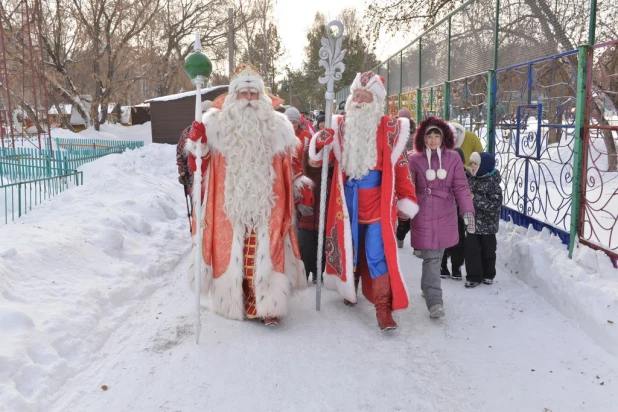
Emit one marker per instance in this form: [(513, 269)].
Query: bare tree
[(111, 26)]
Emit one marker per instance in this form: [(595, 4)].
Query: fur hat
[(293, 114), (206, 105), (434, 123), (246, 76), (486, 162), (404, 113), (371, 82)]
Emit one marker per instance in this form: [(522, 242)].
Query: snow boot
[(356, 281), (471, 285), (488, 281), (399, 243), (270, 321), (436, 311), (383, 301), (456, 274)]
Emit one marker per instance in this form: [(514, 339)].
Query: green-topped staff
[(198, 67)]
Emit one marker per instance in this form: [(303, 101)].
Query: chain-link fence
[(515, 73)]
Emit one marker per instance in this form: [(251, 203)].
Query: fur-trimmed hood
[(448, 140), (459, 132)]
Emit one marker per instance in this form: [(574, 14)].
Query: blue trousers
[(374, 248), (371, 234)]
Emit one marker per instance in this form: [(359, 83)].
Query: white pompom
[(441, 174), (430, 174)]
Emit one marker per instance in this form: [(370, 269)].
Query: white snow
[(185, 94), (93, 293), (140, 132)]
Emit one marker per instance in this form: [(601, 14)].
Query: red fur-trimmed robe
[(278, 270), (397, 193)]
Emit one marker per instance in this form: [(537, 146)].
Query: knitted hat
[(486, 162), (404, 113), (246, 76), (293, 114), (371, 82)]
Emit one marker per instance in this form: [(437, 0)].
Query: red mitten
[(198, 132), (306, 196), (325, 137)]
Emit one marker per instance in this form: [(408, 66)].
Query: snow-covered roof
[(185, 94)]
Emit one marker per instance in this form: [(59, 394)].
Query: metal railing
[(29, 176), (511, 71)]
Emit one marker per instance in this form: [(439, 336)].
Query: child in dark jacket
[(457, 252), (480, 248)]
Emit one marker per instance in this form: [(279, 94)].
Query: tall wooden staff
[(331, 59), (198, 67)]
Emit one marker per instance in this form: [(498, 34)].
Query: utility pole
[(230, 40)]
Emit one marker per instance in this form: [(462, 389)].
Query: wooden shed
[(140, 114), (170, 115)]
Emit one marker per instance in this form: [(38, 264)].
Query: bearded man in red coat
[(371, 181), (251, 261)]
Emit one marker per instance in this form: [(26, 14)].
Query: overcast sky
[(295, 17)]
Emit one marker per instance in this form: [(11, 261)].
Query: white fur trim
[(299, 183), (226, 294), (374, 85), (191, 147), (442, 174), (402, 139), (272, 289), (393, 228), (246, 82), (459, 131), (430, 174), (332, 281), (317, 156), (408, 207), (294, 268), (475, 157)]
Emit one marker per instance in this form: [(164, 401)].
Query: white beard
[(248, 147), (360, 153)]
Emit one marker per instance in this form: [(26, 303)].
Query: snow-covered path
[(93, 293), (499, 348)]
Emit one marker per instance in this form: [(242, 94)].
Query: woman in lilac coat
[(439, 178)]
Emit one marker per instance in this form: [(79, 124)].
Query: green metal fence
[(515, 72), (28, 176), (17, 199)]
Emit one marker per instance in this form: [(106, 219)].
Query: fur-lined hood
[(460, 133), (448, 140)]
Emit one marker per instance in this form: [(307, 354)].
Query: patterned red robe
[(397, 192)]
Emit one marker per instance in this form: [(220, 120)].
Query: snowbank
[(584, 289), (140, 132), (75, 267)]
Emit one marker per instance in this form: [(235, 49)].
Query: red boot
[(271, 321), (382, 300), (356, 280)]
